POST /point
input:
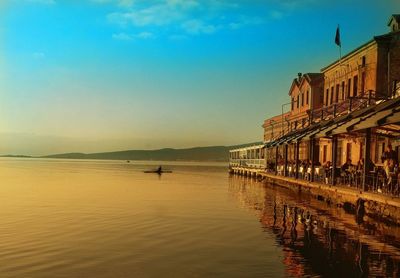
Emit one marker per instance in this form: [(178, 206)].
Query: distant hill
[(213, 153), (16, 155)]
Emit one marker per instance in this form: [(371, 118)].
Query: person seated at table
[(346, 166), (327, 165), (360, 165), (389, 159), (328, 171), (345, 171)]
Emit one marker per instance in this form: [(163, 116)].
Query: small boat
[(157, 172)]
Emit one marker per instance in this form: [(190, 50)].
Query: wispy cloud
[(145, 35), (121, 3), (196, 26), (182, 17), (46, 2), (122, 37), (195, 17), (282, 8), (158, 15), (130, 37)]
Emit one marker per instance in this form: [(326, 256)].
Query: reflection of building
[(315, 243)]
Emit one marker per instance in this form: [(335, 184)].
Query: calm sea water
[(66, 218)]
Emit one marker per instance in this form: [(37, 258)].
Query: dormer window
[(394, 22)]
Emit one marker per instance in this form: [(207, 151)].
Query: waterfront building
[(368, 74), (306, 95), (349, 112)]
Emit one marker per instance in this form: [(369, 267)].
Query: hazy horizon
[(106, 75)]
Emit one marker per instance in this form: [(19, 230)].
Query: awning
[(368, 120), (391, 119), (383, 113)]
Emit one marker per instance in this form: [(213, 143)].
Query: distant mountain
[(16, 155), (213, 153)]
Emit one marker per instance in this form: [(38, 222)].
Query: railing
[(376, 181), (346, 106), (258, 163), (329, 112)]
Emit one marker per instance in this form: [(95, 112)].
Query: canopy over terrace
[(382, 119)]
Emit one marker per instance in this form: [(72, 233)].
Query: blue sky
[(101, 75)]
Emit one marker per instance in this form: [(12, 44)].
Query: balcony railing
[(329, 112)]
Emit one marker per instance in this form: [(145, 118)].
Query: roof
[(254, 147), (395, 17), (294, 83), (354, 51), (368, 120), (311, 77)]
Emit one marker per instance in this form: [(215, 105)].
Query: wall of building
[(395, 64), (360, 67)]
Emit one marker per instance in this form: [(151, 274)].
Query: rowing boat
[(157, 172)]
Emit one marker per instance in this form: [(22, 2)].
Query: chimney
[(299, 76)]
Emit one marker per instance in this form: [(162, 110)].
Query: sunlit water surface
[(68, 218)]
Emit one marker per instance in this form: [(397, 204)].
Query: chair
[(301, 172), (308, 175)]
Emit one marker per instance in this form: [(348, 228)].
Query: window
[(337, 93), (326, 97), (298, 101), (363, 61), (302, 99), (292, 103), (348, 151), (396, 88), (343, 94), (355, 84), (339, 155), (332, 92), (349, 88), (363, 83), (325, 151), (307, 97)]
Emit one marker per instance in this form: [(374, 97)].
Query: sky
[(105, 75)]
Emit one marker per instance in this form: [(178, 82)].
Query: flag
[(337, 37)]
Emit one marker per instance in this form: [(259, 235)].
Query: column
[(334, 160), (285, 159), (276, 159), (312, 156), (367, 157), (296, 155)]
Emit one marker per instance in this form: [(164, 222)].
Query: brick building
[(364, 76), (369, 72)]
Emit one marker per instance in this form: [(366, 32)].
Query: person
[(346, 166), (159, 169), (360, 165), (328, 171), (389, 158), (345, 171)]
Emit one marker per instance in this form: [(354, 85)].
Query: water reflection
[(318, 239)]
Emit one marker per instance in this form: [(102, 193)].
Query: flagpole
[(340, 46)]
